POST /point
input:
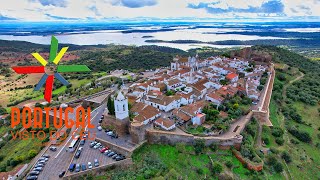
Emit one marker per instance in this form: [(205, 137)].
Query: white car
[(97, 146), (109, 133), (89, 165), (99, 128)]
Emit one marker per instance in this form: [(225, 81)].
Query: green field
[(185, 165)]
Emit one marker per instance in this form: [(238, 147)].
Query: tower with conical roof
[(121, 106)]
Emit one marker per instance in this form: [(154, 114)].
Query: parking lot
[(89, 154)]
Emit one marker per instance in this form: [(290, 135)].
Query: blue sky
[(52, 10)]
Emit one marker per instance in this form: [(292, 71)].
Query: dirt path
[(284, 90)]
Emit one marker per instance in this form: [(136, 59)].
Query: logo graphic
[(50, 72)]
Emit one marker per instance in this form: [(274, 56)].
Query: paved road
[(60, 159)]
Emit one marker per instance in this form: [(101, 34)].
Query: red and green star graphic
[(50, 72)]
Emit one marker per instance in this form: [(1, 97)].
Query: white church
[(121, 106)]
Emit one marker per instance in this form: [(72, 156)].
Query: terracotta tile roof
[(144, 111), (181, 115), (230, 76), (183, 60), (173, 82), (200, 84), (162, 99), (186, 96), (192, 108), (164, 122), (216, 96)]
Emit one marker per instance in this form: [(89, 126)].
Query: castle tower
[(121, 107)]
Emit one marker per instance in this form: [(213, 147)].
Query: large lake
[(81, 36)]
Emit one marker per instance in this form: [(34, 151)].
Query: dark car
[(71, 167), (46, 155), (78, 153), (82, 142), (77, 167), (32, 177), (38, 169), (62, 174), (32, 173), (39, 165), (114, 135), (111, 154), (119, 158), (84, 167)]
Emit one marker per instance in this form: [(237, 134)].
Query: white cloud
[(33, 10)]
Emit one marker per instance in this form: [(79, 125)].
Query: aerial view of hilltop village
[(158, 89)]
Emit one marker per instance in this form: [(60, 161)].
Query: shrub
[(199, 146), (293, 141), (217, 168), (213, 147), (277, 132), (181, 147), (32, 153), (286, 157), (280, 141), (229, 164), (301, 135), (274, 150)]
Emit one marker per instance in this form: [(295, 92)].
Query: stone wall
[(137, 132), (101, 169), (171, 138), (121, 126), (250, 165), (119, 149)]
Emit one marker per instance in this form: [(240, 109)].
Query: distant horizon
[(218, 10)]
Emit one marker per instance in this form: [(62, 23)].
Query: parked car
[(53, 148), (46, 155), (77, 167), (42, 161), (62, 174), (77, 155), (89, 165), (82, 142), (114, 135), (114, 156), (38, 169), (97, 146), (32, 177), (111, 154), (39, 165), (71, 167), (99, 128), (34, 173), (83, 167), (119, 158), (100, 121), (96, 163), (109, 133), (104, 149), (93, 143)]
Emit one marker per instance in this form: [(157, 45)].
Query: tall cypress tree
[(110, 105)]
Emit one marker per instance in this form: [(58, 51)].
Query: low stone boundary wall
[(100, 169), (122, 150), (171, 138), (250, 165)]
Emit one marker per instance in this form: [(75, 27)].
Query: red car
[(104, 149)]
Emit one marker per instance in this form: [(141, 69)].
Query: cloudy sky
[(52, 10)]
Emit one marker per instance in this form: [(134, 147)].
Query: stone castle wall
[(160, 137)]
